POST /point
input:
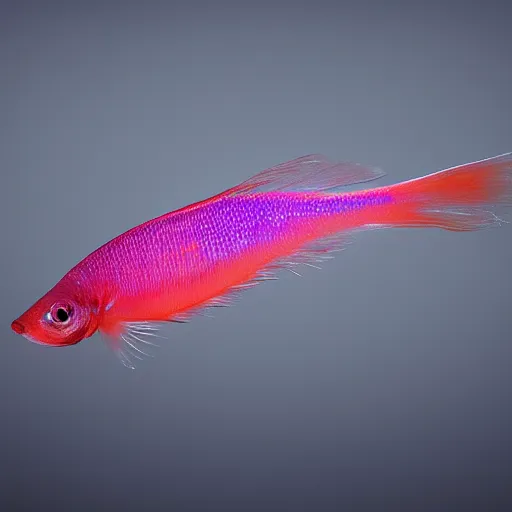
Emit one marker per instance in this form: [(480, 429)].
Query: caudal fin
[(457, 199)]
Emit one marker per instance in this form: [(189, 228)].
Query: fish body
[(179, 261), (295, 213)]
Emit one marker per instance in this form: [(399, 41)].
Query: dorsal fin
[(307, 173), (311, 172)]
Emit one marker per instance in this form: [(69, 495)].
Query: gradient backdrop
[(381, 382)]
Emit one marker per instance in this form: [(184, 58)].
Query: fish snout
[(18, 327)]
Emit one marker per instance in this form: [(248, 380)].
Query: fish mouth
[(18, 327)]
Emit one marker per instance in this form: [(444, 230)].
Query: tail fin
[(455, 199)]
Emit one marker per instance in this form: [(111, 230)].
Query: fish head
[(57, 319)]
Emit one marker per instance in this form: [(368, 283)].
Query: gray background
[(382, 380)]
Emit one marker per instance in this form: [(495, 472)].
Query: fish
[(202, 256)]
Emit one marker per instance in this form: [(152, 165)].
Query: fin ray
[(131, 343)]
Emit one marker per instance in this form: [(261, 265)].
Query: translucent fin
[(134, 342), (311, 254), (461, 198), (311, 172), (225, 299), (317, 251)]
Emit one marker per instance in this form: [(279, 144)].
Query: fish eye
[(60, 313)]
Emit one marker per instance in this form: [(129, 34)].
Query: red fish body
[(294, 213)]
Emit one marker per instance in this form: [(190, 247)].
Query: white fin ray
[(135, 342)]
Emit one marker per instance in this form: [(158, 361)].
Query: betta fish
[(200, 256)]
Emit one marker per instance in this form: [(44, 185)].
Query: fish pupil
[(62, 315)]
